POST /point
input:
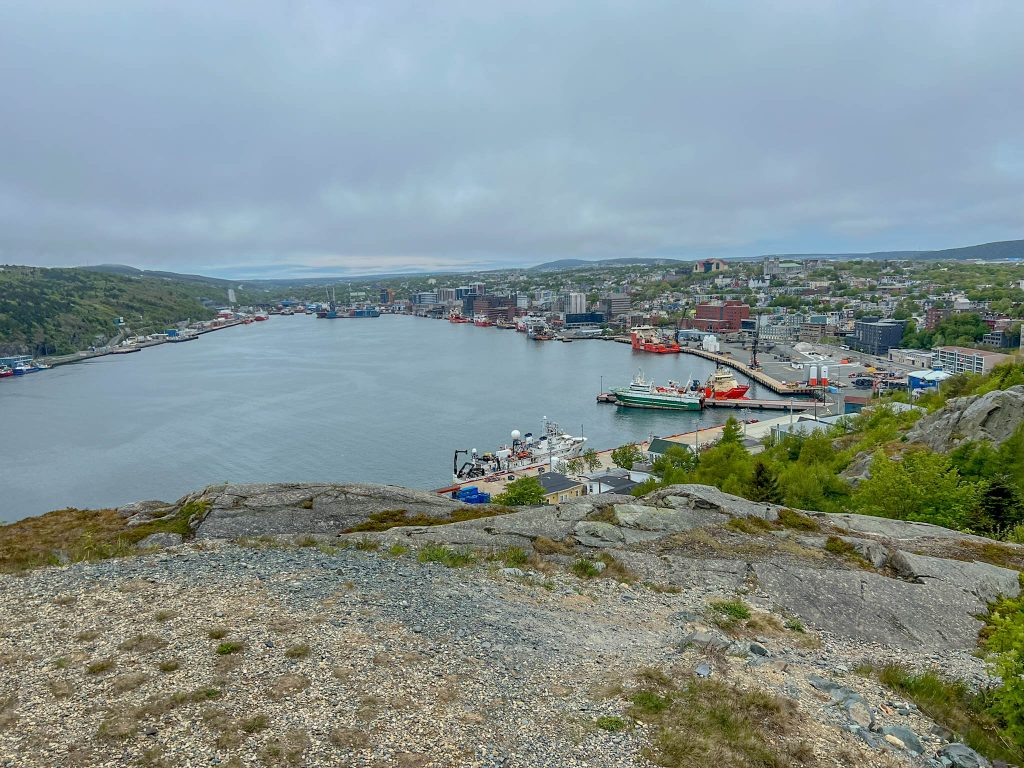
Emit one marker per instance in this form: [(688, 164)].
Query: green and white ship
[(642, 393)]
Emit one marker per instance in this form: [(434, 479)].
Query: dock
[(753, 404), (765, 405), (760, 377)]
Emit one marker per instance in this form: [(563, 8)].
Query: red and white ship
[(722, 385), (647, 339)]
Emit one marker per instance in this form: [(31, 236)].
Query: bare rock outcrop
[(274, 509), (993, 416), (905, 584)]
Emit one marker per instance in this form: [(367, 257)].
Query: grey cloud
[(193, 134)]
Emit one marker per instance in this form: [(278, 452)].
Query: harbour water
[(298, 399)]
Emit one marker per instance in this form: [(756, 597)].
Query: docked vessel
[(482, 321), (642, 393), (5, 371), (722, 385), (646, 338), (456, 317), (524, 451)]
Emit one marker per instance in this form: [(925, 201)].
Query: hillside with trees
[(58, 311)]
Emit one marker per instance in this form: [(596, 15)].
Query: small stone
[(151, 731), (758, 650), (512, 573), (417, 629), (907, 738), (269, 643), (703, 669), (859, 711), (894, 741)]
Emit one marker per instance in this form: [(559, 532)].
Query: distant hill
[(56, 311), (1004, 249), (553, 266)]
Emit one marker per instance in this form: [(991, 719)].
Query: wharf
[(760, 377), (765, 405)]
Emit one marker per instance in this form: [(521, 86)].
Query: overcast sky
[(254, 136)]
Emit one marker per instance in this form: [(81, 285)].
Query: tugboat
[(482, 321), (456, 317), (642, 393), (722, 385), (647, 339), (525, 451)]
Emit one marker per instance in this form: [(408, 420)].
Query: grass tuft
[(397, 550), (99, 667), (790, 519), (734, 609), (228, 648), (586, 569), (610, 723), (452, 558), (751, 525), (297, 651)]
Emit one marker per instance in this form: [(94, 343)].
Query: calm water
[(300, 399)]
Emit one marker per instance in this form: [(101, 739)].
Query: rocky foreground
[(268, 636)]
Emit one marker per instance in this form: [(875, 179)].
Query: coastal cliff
[(297, 624)]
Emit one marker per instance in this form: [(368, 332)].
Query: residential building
[(559, 488), (934, 316), (425, 297), (446, 295), (710, 265), (996, 339), (967, 360), (876, 336), (610, 481)]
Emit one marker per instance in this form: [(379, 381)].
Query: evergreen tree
[(1000, 504), (764, 485), (732, 432)]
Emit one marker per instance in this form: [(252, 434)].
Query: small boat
[(455, 317), (482, 321), (260, 316), (5, 371)]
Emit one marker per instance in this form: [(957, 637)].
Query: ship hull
[(627, 400)]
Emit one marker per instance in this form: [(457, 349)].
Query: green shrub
[(1004, 641), (225, 649)]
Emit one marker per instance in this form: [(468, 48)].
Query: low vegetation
[(74, 535), (452, 558), (399, 518), (952, 704), (707, 723)]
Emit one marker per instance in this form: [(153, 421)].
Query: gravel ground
[(217, 654)]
